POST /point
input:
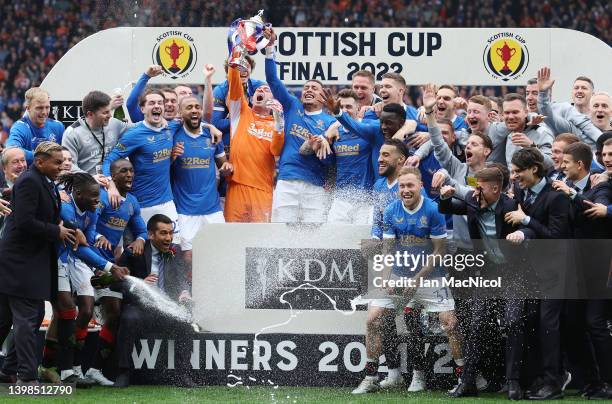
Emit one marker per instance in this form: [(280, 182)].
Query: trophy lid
[(258, 18)]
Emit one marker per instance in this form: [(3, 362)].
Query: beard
[(388, 171), (190, 124)]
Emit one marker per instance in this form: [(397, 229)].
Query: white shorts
[(433, 300), (106, 292), (190, 225), (166, 208), (75, 276), (350, 212), (298, 201)]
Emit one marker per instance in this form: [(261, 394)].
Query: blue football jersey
[(299, 126), (112, 222), (150, 152), (413, 231), (353, 168), (384, 194), (86, 222), (27, 136), (194, 181)]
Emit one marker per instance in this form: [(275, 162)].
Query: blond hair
[(410, 170), (35, 93), (46, 148)]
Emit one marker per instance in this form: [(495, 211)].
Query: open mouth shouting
[(156, 114), (195, 119), (472, 122), (309, 96), (468, 155), (407, 196)]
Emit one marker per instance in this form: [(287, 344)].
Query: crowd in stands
[(32, 42)]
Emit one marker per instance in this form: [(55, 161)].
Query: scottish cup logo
[(176, 53), (506, 56)]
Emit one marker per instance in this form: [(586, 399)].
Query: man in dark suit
[(542, 214), (485, 208), (589, 315), (161, 265), (29, 262)]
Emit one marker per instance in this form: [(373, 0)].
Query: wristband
[(428, 113)]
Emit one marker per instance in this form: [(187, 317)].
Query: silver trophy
[(246, 37)]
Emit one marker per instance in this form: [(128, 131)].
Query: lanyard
[(98, 141)]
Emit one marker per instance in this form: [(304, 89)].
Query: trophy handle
[(181, 50), (512, 51), (167, 50), (498, 51)]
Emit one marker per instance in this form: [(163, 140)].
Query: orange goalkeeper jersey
[(254, 142)]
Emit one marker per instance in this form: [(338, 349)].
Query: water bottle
[(102, 281)]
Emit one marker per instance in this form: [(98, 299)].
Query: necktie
[(529, 197), (160, 268), (51, 186)]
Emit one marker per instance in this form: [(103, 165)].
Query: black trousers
[(26, 316), (520, 318), (590, 317), (136, 320), (482, 332), (9, 366), (549, 332)]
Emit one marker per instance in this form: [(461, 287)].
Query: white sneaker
[(455, 386), (78, 372), (368, 385), (96, 375), (390, 382), (418, 382), (567, 378), (481, 382)]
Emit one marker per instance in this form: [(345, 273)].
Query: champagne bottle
[(102, 281), (119, 112)]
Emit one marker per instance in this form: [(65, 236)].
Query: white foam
[(152, 298)]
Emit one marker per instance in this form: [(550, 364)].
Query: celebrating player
[(414, 225), (299, 194), (35, 126), (194, 182), (257, 138), (149, 147)]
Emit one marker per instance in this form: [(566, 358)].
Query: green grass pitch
[(258, 394)]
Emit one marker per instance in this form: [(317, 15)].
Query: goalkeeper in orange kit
[(256, 139)]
